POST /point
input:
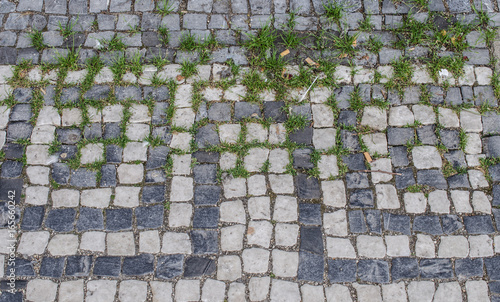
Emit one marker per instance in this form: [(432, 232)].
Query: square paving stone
[(205, 242), (494, 287), (310, 213), (157, 157), (397, 223), (90, 219), (432, 178), (52, 267), (92, 131), (159, 113), (206, 218), (206, 195), (491, 145), (311, 239), (496, 195), (458, 181), (13, 151), (83, 178), (246, 110), (496, 214), (494, 172), (11, 169), (479, 224), (456, 158), (204, 157), (341, 270), (428, 225), (199, 266), (108, 176), (169, 266), (361, 198), (302, 159), (153, 194), (97, 92), (311, 267), (158, 94), (406, 178), (399, 156), (373, 220), (493, 267), (138, 265), (12, 297), (350, 140), (61, 220), (468, 268), (357, 222), (149, 217), (302, 136), (153, 176), (67, 152), (78, 265), (7, 215), (22, 95), (118, 219), (207, 136), (357, 180), (450, 138), (427, 135), (451, 224), (114, 154), (404, 268), (275, 111), (33, 218), (128, 93), (347, 118), (19, 130), (376, 271), (70, 95), (220, 112), (24, 267), (307, 187), (112, 130), (9, 185), (21, 113), (354, 162), (400, 136), (108, 266), (205, 174), (436, 269)]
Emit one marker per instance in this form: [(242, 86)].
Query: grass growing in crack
[(158, 61), (115, 43), (154, 141), (366, 24), (374, 45), (36, 38), (290, 38), (463, 139), (355, 101), (296, 122), (454, 64), (164, 35), (411, 32), (415, 188), (94, 65), (262, 41), (67, 30), (188, 69), (164, 7), (333, 11), (453, 39), (346, 44), (403, 72)]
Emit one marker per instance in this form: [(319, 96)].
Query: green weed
[(36, 38), (164, 7)]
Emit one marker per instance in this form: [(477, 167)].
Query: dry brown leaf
[(179, 78)]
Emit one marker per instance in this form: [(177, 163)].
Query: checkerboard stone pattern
[(156, 207)]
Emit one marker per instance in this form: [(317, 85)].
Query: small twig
[(305, 93), (379, 171)]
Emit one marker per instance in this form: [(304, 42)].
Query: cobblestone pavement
[(173, 151)]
